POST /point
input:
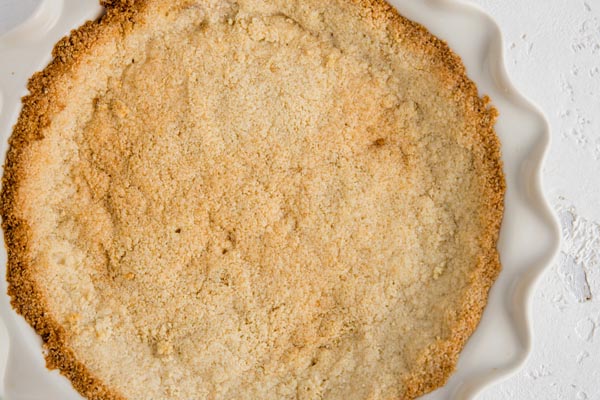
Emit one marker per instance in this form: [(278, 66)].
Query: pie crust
[(252, 199)]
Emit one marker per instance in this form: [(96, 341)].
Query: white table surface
[(553, 57)]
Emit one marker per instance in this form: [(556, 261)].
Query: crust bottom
[(436, 364)]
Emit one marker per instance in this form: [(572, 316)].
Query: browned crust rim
[(435, 365)]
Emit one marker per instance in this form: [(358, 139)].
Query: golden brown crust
[(439, 361), (38, 106), (436, 364)]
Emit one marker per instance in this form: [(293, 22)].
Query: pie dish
[(253, 199)]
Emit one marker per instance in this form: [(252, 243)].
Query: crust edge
[(438, 361), (37, 108)]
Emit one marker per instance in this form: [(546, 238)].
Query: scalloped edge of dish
[(530, 235), (504, 336)]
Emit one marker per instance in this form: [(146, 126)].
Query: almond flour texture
[(253, 199)]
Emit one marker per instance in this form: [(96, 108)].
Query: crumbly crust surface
[(252, 199)]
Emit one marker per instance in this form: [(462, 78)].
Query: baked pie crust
[(252, 199)]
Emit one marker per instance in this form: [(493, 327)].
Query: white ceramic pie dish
[(529, 238)]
